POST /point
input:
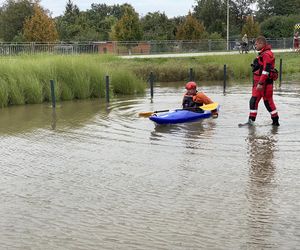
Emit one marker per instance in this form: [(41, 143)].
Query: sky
[(170, 7)]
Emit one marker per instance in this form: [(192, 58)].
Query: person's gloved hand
[(259, 86)]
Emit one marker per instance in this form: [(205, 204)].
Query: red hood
[(267, 47)]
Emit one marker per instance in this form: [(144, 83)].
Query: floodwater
[(97, 176)]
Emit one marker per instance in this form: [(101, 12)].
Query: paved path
[(195, 54)]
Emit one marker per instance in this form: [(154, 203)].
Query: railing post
[(107, 88), (52, 93), (224, 79), (280, 73)]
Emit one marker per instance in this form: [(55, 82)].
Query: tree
[(128, 28), (212, 13), (12, 16), (268, 8), (251, 28), (240, 10), (39, 27), (157, 26), (66, 24), (102, 17), (279, 26), (191, 29), (71, 12)]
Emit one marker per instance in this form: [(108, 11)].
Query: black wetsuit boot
[(275, 121)]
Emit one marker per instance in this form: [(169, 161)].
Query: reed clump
[(26, 79)]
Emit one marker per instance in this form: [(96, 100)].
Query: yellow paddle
[(211, 106)]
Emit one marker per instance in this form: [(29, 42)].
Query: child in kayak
[(193, 99)]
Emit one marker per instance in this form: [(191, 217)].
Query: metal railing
[(130, 48)]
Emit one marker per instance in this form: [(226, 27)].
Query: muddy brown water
[(97, 176)]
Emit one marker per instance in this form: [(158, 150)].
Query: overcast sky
[(170, 7)]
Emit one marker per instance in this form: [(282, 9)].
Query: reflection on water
[(261, 188), (54, 118)]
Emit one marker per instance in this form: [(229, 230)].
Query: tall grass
[(26, 79), (208, 67)]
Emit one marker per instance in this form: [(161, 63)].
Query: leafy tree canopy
[(279, 26), (12, 16), (268, 8), (251, 28), (128, 28), (157, 26), (40, 27), (191, 29)]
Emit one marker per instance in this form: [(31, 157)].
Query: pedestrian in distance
[(264, 75), (193, 99), (245, 42)]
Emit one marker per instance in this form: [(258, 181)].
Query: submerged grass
[(26, 79)]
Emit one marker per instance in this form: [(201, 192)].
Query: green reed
[(209, 68), (26, 79)]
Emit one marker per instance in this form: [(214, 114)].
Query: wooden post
[(151, 81), (107, 88), (52, 93)]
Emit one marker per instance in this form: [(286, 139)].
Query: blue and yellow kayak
[(179, 116)]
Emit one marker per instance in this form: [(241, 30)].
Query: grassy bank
[(25, 79), (209, 68)]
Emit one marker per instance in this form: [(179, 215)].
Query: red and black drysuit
[(263, 68)]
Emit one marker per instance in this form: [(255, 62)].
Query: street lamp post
[(227, 24)]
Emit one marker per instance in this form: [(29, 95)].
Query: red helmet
[(191, 85)]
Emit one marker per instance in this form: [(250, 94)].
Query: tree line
[(28, 21)]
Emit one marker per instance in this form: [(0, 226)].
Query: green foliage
[(124, 82), (4, 95), (66, 24), (39, 27), (251, 28), (208, 67), (27, 79), (212, 13), (279, 26), (128, 28), (215, 36), (157, 26), (12, 16), (269, 8), (102, 18), (191, 29), (239, 9)]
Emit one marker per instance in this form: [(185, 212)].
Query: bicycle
[(242, 47)]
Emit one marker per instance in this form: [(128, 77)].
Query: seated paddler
[(193, 99)]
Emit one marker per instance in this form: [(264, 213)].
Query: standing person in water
[(264, 74), (193, 99)]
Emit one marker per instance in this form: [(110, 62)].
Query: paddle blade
[(211, 106), (146, 114)]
